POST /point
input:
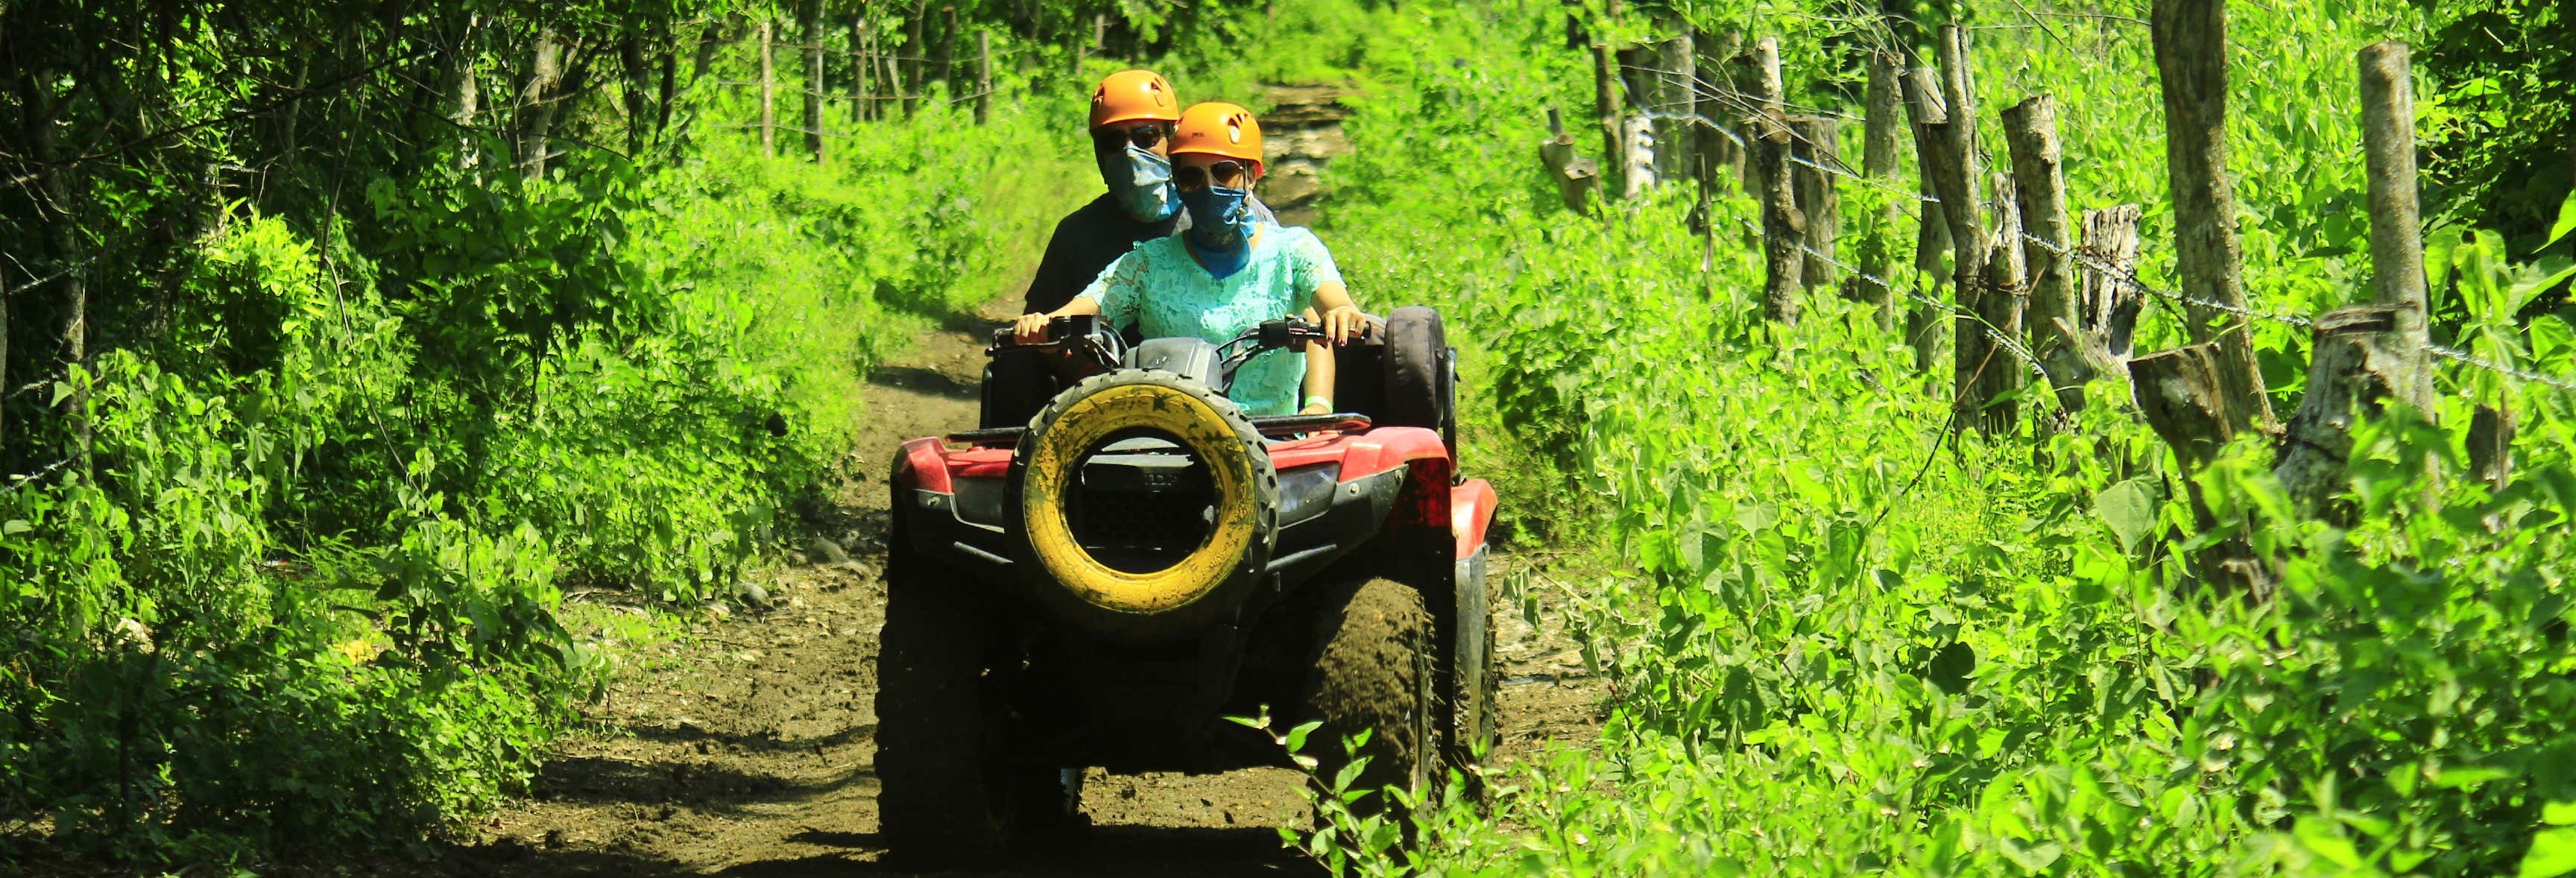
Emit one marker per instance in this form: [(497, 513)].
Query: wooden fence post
[(1924, 110), (2190, 39), (1674, 101), (983, 75), (1720, 142), (1784, 229), (1605, 104), (1955, 174), (1708, 148), (2107, 310), (2180, 392), (768, 90), (2030, 129), (909, 86), (2491, 445), (2000, 303), (1817, 142), (1637, 161), (1878, 163), (862, 99), (1574, 176), (809, 28), (2363, 361), (946, 60), (2396, 225)]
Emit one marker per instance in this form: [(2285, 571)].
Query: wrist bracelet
[(1317, 400)]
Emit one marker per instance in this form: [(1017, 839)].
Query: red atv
[(1105, 585)]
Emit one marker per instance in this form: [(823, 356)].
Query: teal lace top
[(1162, 291)]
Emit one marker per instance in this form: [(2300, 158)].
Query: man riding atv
[(1105, 582)]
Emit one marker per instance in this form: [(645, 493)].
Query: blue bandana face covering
[(1220, 228), (1141, 183)]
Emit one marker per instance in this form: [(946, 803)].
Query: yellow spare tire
[(1204, 523)]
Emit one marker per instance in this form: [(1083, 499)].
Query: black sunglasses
[(1228, 174), (1143, 136)]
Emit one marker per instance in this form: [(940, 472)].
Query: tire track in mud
[(746, 746)]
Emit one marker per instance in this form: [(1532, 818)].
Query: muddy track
[(746, 747)]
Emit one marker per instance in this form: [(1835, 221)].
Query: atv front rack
[(1273, 425)]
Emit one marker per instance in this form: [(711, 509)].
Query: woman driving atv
[(1226, 273)]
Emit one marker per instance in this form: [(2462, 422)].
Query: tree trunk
[(1674, 129), (537, 103), (768, 90), (948, 51), (1605, 103), (1784, 228), (1956, 172), (2191, 61), (810, 27), (668, 87), (469, 98), (1878, 163), (636, 78), (1925, 112), (1817, 142), (983, 76), (1717, 73), (914, 49), (2179, 392), (2396, 224), (2000, 306), (861, 96), (2030, 130)]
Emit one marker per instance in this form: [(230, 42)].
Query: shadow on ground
[(1149, 851)]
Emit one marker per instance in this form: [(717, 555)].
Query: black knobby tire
[(1014, 388), (1373, 671), (1420, 380), (952, 785)]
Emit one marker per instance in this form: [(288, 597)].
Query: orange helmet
[(1219, 128), (1129, 95)]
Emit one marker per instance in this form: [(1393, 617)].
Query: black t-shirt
[(1085, 242)]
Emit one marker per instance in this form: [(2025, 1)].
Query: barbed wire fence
[(1748, 109)]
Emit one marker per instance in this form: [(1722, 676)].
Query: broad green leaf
[(2130, 509), (2566, 220), (2552, 853), (2322, 838), (2466, 778)]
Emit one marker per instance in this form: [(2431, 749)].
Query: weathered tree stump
[(2363, 363)]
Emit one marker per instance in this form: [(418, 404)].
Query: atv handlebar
[(1073, 333)]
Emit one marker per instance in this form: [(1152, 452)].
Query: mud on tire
[(950, 789), (1373, 671)]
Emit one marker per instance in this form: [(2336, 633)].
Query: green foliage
[(2500, 116), (1855, 644), (296, 580)]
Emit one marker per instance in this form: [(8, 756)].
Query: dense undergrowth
[(1856, 643), (337, 454)]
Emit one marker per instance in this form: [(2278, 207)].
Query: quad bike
[(1105, 585)]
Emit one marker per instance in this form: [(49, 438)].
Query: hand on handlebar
[(1029, 328), (1344, 322)]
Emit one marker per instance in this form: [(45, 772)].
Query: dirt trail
[(745, 748)]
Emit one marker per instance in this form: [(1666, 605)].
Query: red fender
[(1471, 510)]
